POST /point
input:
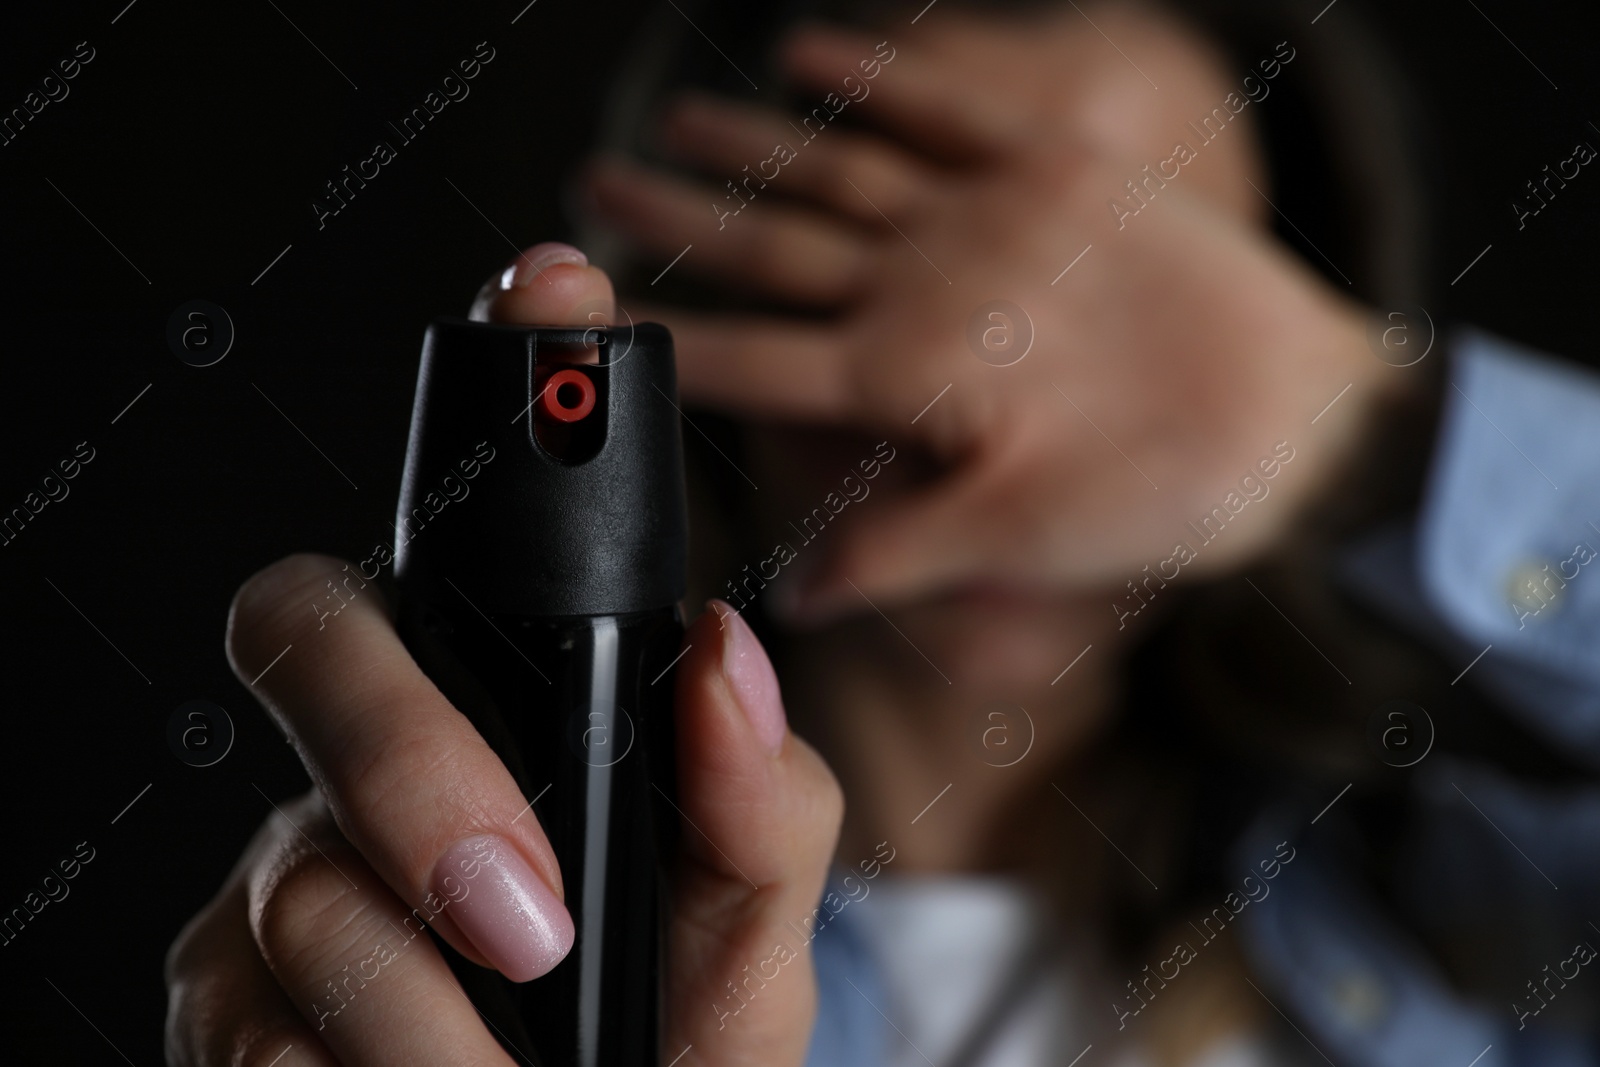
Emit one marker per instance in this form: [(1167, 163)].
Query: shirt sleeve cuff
[(1508, 528)]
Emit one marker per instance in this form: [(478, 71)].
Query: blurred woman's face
[(986, 636)]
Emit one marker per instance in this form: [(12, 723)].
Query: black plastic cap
[(529, 533)]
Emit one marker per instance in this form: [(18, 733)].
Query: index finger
[(907, 90), (753, 365), (408, 779)]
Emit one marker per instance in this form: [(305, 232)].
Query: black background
[(195, 142)]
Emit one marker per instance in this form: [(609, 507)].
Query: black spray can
[(544, 606)]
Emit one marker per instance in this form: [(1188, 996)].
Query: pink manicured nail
[(753, 680), (531, 263), (503, 906)]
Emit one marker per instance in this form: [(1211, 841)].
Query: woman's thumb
[(550, 284)]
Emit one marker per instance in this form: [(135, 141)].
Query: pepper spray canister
[(541, 597)]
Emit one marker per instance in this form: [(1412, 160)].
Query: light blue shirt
[(1513, 498)]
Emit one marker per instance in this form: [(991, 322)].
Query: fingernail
[(754, 682), (507, 910), (533, 262)]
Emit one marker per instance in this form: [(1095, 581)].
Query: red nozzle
[(568, 395)]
